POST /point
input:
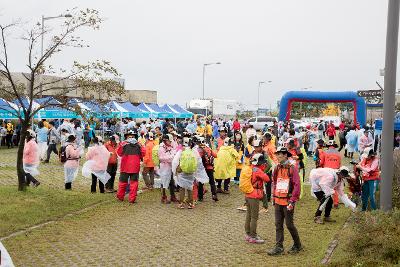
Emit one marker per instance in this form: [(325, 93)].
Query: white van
[(259, 122)]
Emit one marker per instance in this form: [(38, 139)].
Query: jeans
[(322, 199), (51, 148), (94, 185), (211, 180), (283, 214), (238, 171), (253, 207), (368, 193)]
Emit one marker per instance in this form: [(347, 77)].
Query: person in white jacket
[(324, 183)]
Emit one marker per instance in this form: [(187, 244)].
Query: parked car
[(259, 122)]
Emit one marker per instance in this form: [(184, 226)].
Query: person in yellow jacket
[(200, 130), (225, 165)]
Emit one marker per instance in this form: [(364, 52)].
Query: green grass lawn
[(19, 210)]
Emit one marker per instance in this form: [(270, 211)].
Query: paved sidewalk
[(151, 234)]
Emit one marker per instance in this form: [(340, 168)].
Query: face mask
[(131, 140)]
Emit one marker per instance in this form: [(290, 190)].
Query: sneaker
[(247, 237), (242, 208), (45, 161), (263, 210), (318, 220), (219, 190), (226, 192), (295, 249), (258, 240), (276, 251), (36, 185), (181, 206), (329, 219), (215, 198), (191, 206)]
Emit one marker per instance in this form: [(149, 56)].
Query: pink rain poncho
[(31, 158), (71, 166), (166, 154), (97, 161)]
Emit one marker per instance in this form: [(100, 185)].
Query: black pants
[(282, 214), (342, 143), (112, 171), (226, 184), (211, 180), (51, 148), (9, 140), (329, 202), (94, 185), (29, 178)]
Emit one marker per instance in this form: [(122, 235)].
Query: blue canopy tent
[(184, 112), (134, 112), (53, 111), (163, 114), (7, 110), (146, 108), (170, 109)]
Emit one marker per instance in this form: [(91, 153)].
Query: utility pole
[(389, 96)]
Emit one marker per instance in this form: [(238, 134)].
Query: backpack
[(188, 162), (208, 159), (154, 155), (245, 184), (63, 154)]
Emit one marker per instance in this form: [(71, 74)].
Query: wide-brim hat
[(258, 159), (331, 143), (345, 171), (283, 150)]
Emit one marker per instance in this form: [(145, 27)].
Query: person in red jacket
[(236, 125), (258, 179), (286, 192), (333, 160), (207, 156), (319, 155), (331, 131), (131, 154), (112, 166)]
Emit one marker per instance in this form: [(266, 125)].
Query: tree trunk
[(20, 154)]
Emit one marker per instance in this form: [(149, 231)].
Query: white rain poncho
[(87, 170), (186, 180), (166, 155), (5, 259), (32, 169), (70, 174), (42, 150)]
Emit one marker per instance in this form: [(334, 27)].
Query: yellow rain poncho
[(225, 163)]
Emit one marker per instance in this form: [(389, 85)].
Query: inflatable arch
[(323, 97)]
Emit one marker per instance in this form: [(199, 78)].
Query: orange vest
[(332, 159), (282, 190)]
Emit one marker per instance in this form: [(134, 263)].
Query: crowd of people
[(268, 166)]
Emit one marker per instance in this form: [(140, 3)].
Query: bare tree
[(94, 77)]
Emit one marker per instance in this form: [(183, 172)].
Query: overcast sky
[(162, 44)]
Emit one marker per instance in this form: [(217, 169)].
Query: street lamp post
[(42, 39), (204, 72), (258, 94), (389, 105)]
